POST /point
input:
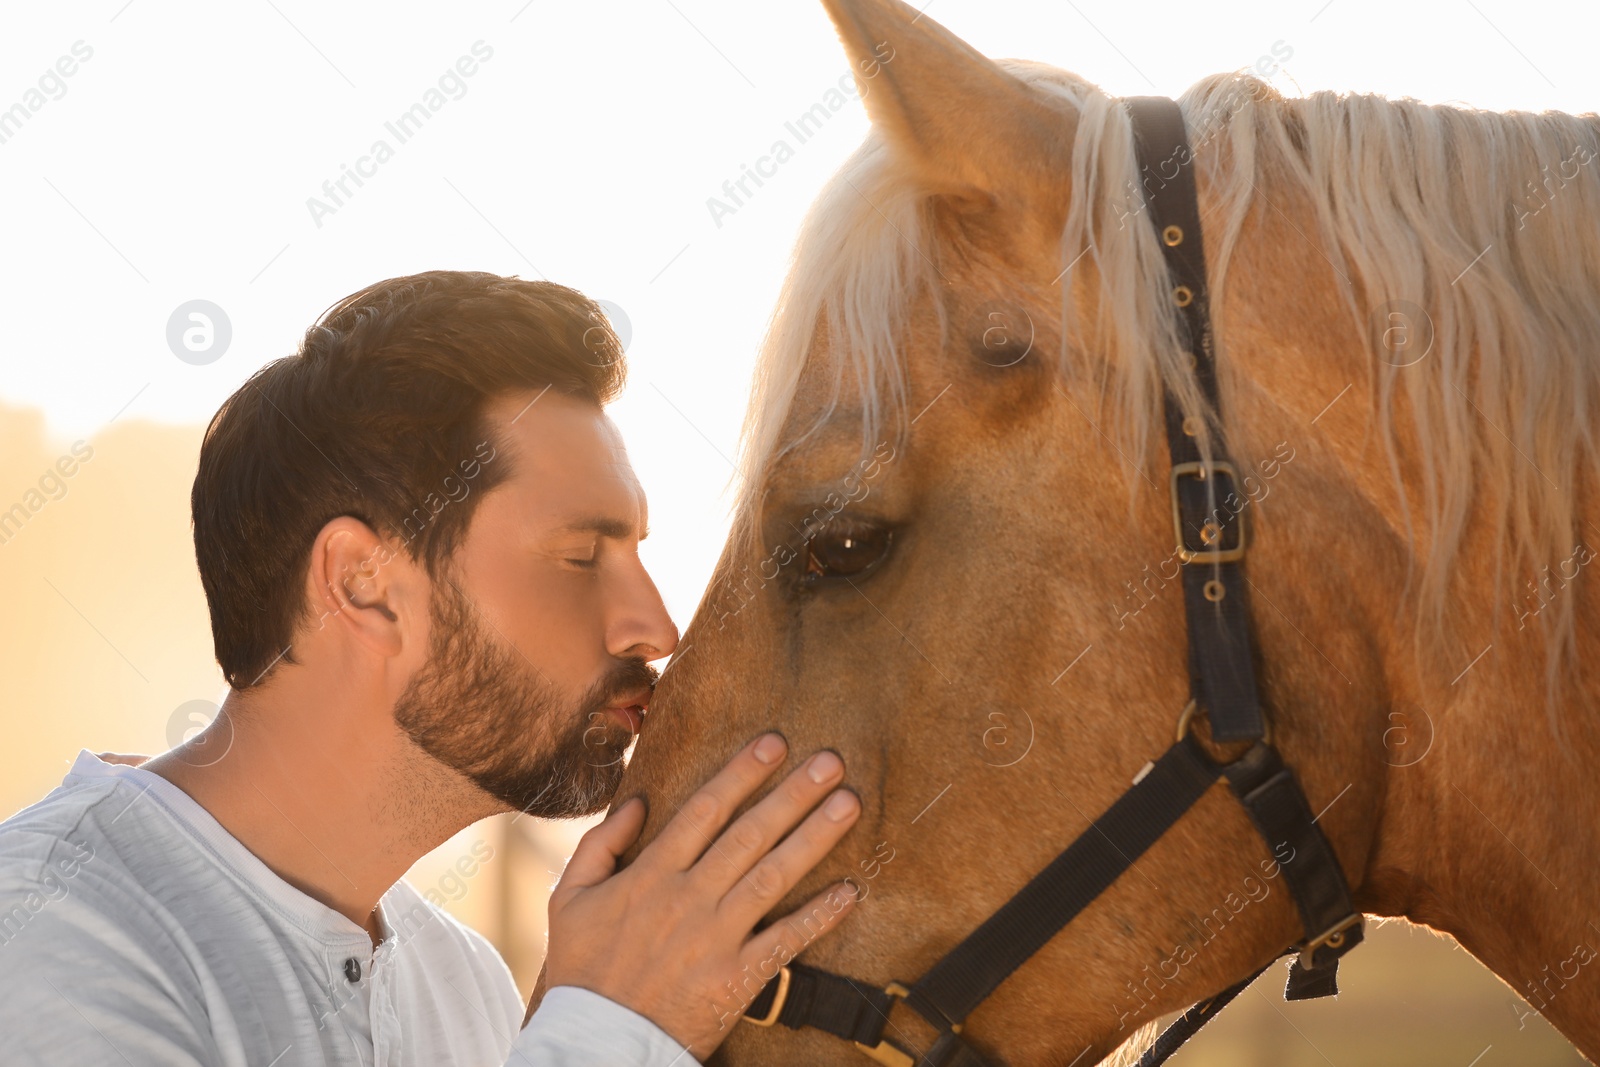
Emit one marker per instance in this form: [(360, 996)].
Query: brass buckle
[(777, 1002), (1203, 470), (885, 1051), (1333, 937)]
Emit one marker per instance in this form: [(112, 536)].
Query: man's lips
[(629, 709)]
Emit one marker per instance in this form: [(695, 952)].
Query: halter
[(1210, 542)]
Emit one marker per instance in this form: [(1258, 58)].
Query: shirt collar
[(309, 914)]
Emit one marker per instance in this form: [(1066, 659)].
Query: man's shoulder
[(84, 951), (55, 833), (75, 874)]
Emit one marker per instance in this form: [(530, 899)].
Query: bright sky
[(175, 162)]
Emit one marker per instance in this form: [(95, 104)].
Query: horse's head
[(953, 558)]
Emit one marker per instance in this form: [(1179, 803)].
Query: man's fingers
[(595, 858), (785, 939), (759, 890), (121, 757), (744, 844), (702, 817)]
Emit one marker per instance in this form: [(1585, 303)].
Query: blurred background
[(191, 164)]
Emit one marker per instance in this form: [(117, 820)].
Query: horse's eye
[(846, 551)]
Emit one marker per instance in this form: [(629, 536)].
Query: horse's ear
[(968, 129)]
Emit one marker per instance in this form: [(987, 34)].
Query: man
[(418, 541)]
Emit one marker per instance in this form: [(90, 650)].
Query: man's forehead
[(553, 428), (571, 462)]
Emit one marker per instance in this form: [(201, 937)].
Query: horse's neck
[(1492, 838)]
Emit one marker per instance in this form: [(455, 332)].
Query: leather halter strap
[(1210, 530), (1210, 540)]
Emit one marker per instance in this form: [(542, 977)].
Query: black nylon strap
[(841, 1006), (1221, 658), (960, 981), (1189, 1023), (952, 1050), (972, 970), (1221, 655), (1277, 805)]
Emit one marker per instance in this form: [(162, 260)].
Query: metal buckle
[(777, 1001), (885, 1051), (1203, 470), (1333, 937)]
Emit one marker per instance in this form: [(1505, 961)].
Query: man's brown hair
[(380, 416)]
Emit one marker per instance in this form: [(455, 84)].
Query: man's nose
[(643, 628)]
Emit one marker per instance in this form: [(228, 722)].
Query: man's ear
[(365, 584)]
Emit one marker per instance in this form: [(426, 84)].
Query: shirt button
[(352, 969)]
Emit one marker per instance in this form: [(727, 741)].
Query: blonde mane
[(1472, 215)]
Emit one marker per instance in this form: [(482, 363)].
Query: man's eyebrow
[(605, 527)]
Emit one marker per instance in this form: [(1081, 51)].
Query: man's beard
[(486, 712)]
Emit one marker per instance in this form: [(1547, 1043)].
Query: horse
[(951, 553)]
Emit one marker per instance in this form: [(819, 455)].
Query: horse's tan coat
[(1019, 551)]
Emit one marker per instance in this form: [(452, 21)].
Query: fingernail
[(770, 748), (823, 767), (840, 806)]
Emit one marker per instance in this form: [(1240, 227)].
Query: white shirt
[(135, 930)]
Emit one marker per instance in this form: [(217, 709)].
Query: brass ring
[(1191, 709), (1172, 236), (1184, 717), (778, 1001), (1215, 591), (1191, 425), (1183, 296), (1333, 937), (1210, 534), (887, 1052)]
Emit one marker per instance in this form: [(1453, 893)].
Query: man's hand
[(121, 757), (670, 936)]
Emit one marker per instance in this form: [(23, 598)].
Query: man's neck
[(330, 795)]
